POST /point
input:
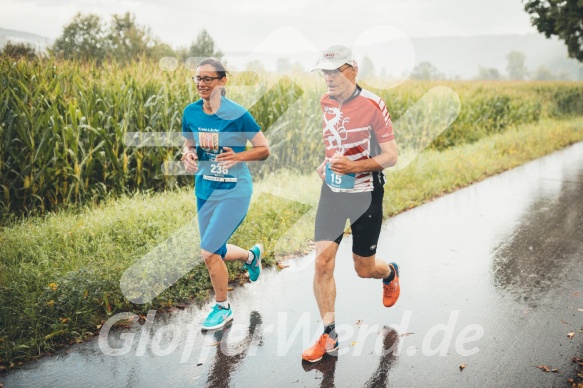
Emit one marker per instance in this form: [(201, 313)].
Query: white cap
[(334, 57)]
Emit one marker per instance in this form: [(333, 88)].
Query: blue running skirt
[(218, 220)]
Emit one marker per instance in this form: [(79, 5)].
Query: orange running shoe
[(324, 345), (392, 290)]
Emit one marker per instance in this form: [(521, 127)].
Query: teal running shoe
[(254, 268), (217, 318)]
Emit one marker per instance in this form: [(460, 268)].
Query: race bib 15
[(339, 181)]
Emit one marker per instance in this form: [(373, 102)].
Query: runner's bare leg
[(370, 267), (324, 284)]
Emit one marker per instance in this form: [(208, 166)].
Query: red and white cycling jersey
[(355, 128)]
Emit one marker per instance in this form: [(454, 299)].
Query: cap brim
[(327, 65)]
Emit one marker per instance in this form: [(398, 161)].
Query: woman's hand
[(189, 159), (228, 158)]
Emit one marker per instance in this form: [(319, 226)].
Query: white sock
[(250, 258), (224, 304)]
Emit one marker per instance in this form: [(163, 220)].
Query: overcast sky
[(299, 30), (241, 25)]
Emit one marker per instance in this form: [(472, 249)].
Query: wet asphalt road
[(492, 277)]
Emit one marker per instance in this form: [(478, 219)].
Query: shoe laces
[(322, 341), (389, 288)]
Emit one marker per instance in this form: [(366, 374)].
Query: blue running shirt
[(231, 126)]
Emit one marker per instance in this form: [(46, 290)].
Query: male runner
[(359, 144)]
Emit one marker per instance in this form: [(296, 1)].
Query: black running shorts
[(365, 212)]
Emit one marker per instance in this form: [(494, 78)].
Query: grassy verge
[(434, 173), (60, 274)]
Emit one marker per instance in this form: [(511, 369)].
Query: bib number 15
[(335, 179), (339, 181)]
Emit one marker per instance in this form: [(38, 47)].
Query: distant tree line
[(515, 68), (19, 50), (88, 38)]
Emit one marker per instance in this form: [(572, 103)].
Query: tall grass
[(63, 124), (62, 130)]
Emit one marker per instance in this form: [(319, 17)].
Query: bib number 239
[(339, 181), (218, 170)]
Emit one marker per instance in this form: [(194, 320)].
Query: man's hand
[(342, 165), (320, 170)]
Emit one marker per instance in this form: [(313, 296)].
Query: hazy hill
[(37, 41), (462, 56), (453, 56)]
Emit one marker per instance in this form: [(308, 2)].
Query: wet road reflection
[(326, 366), (548, 234), (387, 347), (228, 357), (491, 277), (380, 377)]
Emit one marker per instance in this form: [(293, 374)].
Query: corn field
[(63, 124)]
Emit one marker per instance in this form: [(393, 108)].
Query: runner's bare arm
[(189, 156), (387, 158), (260, 151), (189, 146)]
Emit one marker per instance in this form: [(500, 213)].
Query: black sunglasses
[(207, 79)]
